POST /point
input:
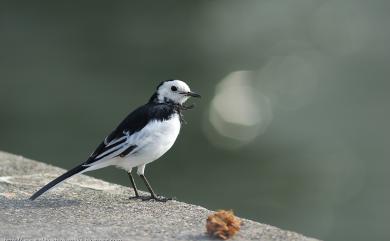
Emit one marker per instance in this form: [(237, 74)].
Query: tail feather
[(63, 177)]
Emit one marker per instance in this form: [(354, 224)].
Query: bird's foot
[(135, 197), (155, 198), (148, 198)]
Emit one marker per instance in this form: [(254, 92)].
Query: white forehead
[(180, 85)]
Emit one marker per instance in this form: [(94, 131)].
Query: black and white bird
[(142, 137)]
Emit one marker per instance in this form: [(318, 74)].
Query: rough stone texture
[(87, 208)]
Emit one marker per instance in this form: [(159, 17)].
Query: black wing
[(134, 122)]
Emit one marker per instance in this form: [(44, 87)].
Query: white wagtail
[(142, 137)]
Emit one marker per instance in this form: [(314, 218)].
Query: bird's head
[(173, 91)]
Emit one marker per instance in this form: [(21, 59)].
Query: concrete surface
[(86, 208)]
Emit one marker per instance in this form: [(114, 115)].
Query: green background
[(300, 140)]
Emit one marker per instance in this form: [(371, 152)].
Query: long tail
[(58, 180)]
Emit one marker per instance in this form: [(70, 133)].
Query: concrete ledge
[(88, 208)]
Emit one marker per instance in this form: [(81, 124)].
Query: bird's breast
[(167, 130), (158, 137)]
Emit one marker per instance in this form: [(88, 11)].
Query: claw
[(158, 199), (135, 197)]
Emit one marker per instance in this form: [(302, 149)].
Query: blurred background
[(292, 129)]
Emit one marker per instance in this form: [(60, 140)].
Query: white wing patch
[(115, 150)]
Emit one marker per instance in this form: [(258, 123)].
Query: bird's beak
[(192, 94)]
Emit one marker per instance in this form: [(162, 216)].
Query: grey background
[(299, 140)]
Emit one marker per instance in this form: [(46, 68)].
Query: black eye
[(173, 88)]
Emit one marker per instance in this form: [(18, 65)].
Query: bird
[(142, 137)]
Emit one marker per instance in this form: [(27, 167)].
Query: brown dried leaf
[(222, 224)]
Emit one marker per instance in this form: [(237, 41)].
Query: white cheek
[(174, 97)]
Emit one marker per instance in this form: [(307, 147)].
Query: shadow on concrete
[(6, 203)]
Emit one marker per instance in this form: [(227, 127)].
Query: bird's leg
[(152, 194), (140, 172), (133, 185)]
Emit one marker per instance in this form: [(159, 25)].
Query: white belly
[(153, 141)]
